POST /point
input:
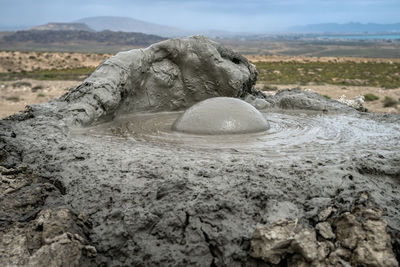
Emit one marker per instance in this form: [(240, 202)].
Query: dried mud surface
[(157, 198)]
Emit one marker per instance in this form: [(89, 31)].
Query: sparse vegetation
[(41, 95), (13, 98), (347, 73), (267, 87), (55, 74), (37, 88), (21, 84), (389, 102), (370, 97), (326, 96)]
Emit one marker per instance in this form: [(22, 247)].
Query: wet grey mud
[(221, 115), (99, 178)]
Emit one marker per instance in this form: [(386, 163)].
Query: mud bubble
[(221, 115)]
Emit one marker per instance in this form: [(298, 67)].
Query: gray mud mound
[(115, 186), (297, 99), (170, 75)]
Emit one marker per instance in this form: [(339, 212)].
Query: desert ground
[(28, 78), (17, 61), (15, 95), (304, 59)]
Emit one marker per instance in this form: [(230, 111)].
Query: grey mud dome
[(221, 115), (98, 178)]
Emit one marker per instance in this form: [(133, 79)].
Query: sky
[(229, 15)]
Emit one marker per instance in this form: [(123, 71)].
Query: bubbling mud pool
[(291, 133)]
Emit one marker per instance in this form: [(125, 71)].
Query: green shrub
[(47, 76), (20, 84), (41, 95), (37, 88), (326, 96), (389, 102), (370, 97), (13, 98), (337, 73), (267, 87)]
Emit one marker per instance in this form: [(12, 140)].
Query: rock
[(374, 250), (324, 248), (357, 241), (271, 243), (33, 235), (342, 253), (357, 102), (45, 242), (53, 222), (297, 261), (325, 230), (90, 251), (339, 256), (365, 233), (348, 230), (324, 214), (63, 250), (305, 243), (13, 247), (178, 74), (22, 196)]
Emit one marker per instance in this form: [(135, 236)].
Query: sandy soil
[(53, 89), (15, 61), (278, 58), (15, 95)]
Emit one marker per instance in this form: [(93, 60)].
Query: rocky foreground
[(69, 199)]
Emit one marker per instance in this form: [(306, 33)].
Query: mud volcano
[(99, 178)]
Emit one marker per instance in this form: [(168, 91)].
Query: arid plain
[(34, 77)]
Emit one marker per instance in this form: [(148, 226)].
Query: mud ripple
[(292, 134)]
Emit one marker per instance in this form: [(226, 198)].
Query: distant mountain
[(214, 33), (82, 38), (125, 24), (56, 26), (5, 27), (352, 27)]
